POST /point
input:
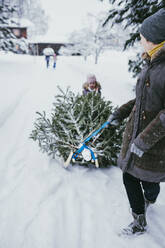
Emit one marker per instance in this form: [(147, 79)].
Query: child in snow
[(91, 85), (54, 60), (142, 157)]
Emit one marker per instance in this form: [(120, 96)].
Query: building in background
[(36, 48), (19, 32)]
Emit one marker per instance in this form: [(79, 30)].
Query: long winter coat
[(146, 123)]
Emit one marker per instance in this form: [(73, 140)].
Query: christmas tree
[(72, 118)]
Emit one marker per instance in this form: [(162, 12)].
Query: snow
[(43, 205), (16, 22)]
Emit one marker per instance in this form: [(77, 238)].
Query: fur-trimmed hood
[(86, 86)]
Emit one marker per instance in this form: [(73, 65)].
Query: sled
[(83, 146)]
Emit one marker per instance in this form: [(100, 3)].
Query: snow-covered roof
[(16, 22), (25, 22)]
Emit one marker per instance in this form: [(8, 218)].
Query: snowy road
[(42, 205)]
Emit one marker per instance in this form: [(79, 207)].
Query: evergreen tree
[(131, 13), (72, 119), (7, 38), (8, 41), (32, 11)]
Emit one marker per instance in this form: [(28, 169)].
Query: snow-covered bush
[(72, 119), (22, 45)]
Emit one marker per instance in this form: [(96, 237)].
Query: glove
[(136, 150), (113, 121)]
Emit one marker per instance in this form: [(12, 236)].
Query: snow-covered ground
[(43, 205)]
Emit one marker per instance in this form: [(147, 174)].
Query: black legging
[(135, 188)]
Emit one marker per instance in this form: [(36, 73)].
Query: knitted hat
[(91, 78), (153, 27)]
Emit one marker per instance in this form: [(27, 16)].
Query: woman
[(142, 157)]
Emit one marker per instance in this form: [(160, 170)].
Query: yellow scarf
[(155, 49)]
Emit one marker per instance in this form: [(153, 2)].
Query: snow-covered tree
[(32, 11), (94, 39), (100, 38), (23, 45), (7, 38), (8, 41), (131, 14), (72, 119), (79, 44), (68, 50)]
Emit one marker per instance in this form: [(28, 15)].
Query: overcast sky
[(66, 16)]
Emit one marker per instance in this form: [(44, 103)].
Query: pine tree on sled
[(75, 130)]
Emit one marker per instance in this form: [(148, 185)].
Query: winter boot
[(138, 226)]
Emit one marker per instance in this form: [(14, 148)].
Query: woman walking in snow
[(48, 52), (142, 157)]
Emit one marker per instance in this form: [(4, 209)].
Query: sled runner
[(86, 151)]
